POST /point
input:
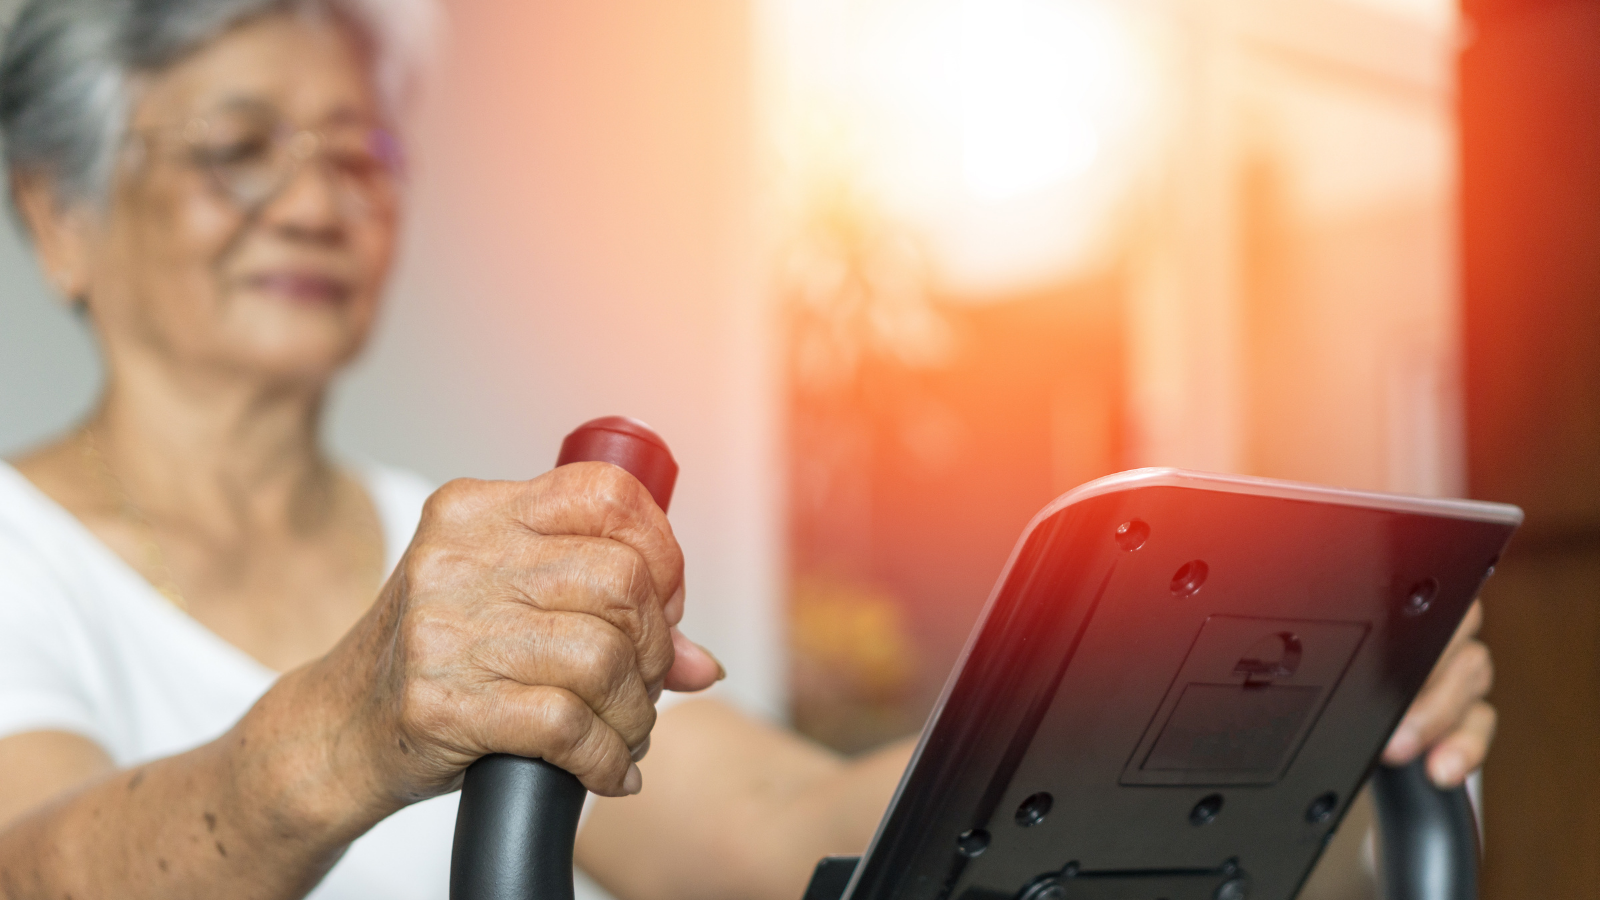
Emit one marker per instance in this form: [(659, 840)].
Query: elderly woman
[(232, 667)]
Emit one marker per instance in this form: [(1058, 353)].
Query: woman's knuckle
[(615, 656), (446, 503), (604, 755), (603, 656), (587, 664), (567, 721), (431, 562), (610, 571), (616, 486), (636, 728), (655, 653), (431, 634), (424, 708), (641, 585)]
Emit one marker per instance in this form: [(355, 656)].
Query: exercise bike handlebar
[(518, 818), (1429, 836)]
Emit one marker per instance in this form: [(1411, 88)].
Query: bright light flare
[(1029, 75), (1005, 131)]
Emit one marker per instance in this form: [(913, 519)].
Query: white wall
[(580, 244)]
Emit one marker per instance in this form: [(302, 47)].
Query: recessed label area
[(1231, 728), (1247, 695)]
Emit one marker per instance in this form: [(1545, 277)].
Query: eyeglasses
[(252, 157)]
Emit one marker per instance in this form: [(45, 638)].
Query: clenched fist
[(532, 618)]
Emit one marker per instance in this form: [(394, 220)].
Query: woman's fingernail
[(721, 671), (633, 782)]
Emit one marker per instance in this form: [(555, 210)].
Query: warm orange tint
[(1025, 243)]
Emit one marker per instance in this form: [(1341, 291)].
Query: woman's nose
[(309, 203)]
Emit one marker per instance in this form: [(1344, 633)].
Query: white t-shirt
[(88, 646)]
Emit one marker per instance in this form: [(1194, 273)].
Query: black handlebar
[(519, 817), (515, 830), (1429, 837)]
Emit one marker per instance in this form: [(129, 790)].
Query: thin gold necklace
[(155, 561)]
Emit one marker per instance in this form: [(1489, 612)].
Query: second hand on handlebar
[(519, 817)]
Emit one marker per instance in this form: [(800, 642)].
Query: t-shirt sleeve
[(43, 658)]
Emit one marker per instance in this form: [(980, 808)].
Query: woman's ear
[(60, 236)]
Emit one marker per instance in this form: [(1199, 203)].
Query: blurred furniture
[(1530, 117)]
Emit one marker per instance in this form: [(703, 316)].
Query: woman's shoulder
[(47, 561), (32, 523)]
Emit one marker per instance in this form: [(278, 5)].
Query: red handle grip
[(628, 443)]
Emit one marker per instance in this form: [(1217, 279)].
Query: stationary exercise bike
[(1341, 602)]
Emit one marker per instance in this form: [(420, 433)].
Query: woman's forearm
[(735, 808), (259, 813), (841, 812)]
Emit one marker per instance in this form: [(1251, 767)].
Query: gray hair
[(67, 69)]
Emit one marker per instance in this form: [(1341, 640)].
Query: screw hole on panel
[(973, 842), (1132, 534), (1233, 889), (1190, 576), (1205, 812), (1322, 808), (1033, 810), (1420, 597), (1046, 889)]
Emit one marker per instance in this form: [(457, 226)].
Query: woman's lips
[(301, 287)]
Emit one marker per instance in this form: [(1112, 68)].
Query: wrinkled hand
[(533, 618), (1450, 721)]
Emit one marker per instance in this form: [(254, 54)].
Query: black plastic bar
[(515, 831), (1429, 837)]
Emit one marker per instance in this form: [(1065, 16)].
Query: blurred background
[(891, 274)]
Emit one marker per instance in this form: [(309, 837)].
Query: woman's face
[(253, 215)]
